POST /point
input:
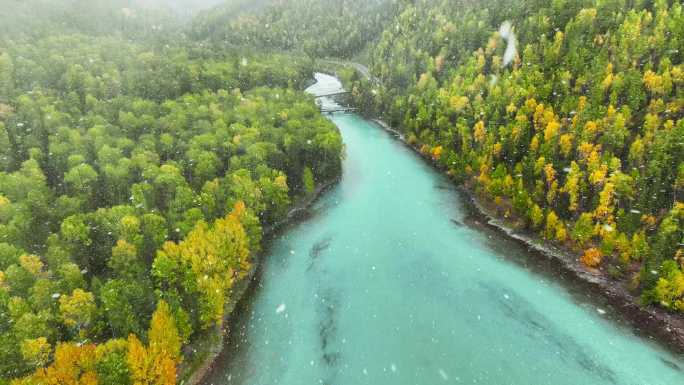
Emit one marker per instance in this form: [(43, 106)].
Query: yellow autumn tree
[(551, 130), (163, 334), (3, 284), (551, 182), (605, 208), (534, 144), (566, 144), (36, 351), (561, 232), (4, 201), (210, 258), (511, 108), (77, 309), (608, 80), (156, 364), (572, 186), (592, 257), (437, 152), (669, 290), (480, 132), (73, 365), (139, 362), (654, 82), (536, 215), (458, 103), (32, 264), (552, 223)]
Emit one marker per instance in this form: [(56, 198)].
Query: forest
[(316, 28), (136, 178), (143, 155)]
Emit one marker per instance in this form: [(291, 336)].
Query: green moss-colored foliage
[(308, 180), (317, 28), (117, 144)]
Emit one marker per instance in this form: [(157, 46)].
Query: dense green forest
[(142, 154), (567, 117), (317, 28), (136, 178)]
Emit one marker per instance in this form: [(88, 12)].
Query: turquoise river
[(389, 281)]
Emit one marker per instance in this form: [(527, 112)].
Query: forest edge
[(208, 347)]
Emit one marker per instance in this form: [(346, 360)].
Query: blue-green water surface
[(386, 283)]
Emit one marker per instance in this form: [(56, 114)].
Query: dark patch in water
[(326, 332), (327, 326), (331, 359), (443, 187), (538, 326), (327, 329), (670, 364), (317, 249), (456, 222)]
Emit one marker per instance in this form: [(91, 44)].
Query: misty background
[(132, 17)]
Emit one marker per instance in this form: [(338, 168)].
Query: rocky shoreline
[(649, 322), (241, 292)]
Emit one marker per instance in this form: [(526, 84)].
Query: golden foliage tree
[(592, 257), (156, 363), (209, 260), (73, 365), (36, 351), (77, 309)]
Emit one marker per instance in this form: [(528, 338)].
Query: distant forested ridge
[(319, 28), (133, 19), (567, 117), (135, 180)]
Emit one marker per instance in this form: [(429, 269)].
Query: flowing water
[(388, 282)]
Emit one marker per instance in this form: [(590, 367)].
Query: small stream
[(389, 282)]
